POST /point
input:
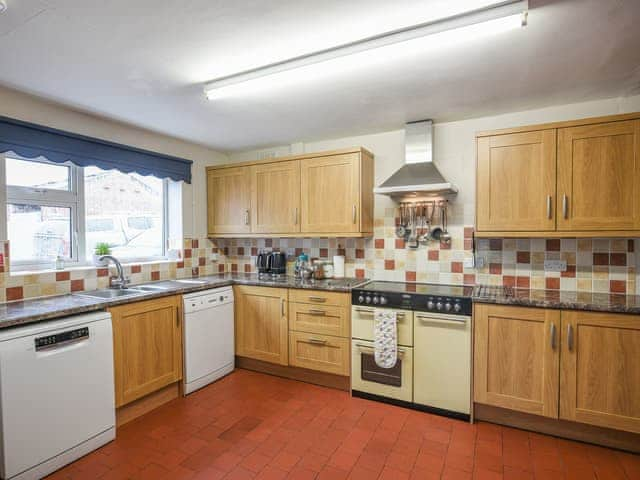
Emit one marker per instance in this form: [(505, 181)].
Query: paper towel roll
[(338, 266)]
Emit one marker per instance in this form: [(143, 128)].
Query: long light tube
[(511, 14)]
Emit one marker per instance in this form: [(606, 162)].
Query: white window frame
[(73, 199)]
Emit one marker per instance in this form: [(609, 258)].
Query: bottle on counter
[(59, 263)]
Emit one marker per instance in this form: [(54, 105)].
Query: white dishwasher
[(208, 337), (56, 393)]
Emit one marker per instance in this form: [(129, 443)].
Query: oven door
[(367, 377), (362, 324)]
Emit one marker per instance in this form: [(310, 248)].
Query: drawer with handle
[(323, 353), (320, 297), (324, 320), (362, 324)]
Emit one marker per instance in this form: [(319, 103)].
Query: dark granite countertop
[(597, 302), (48, 308)]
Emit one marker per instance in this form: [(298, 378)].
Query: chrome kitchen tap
[(119, 281)]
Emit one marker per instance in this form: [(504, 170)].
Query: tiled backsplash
[(196, 261), (593, 265)]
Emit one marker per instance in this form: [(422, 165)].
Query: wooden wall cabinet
[(326, 193), (568, 179), (516, 358), (275, 197), (570, 365), (261, 323), (147, 347), (229, 200)]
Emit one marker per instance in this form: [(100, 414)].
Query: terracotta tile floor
[(250, 425)]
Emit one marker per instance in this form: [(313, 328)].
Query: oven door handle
[(443, 318), (401, 351), (370, 312)]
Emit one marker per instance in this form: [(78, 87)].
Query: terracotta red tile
[(194, 243), (359, 273), (247, 268), (332, 473), (187, 253), (14, 293), (285, 460), (630, 246), (102, 272), (468, 232), (138, 268), (389, 265), (400, 243), (553, 245), (469, 279), (410, 276), (514, 473), (180, 265), (495, 268), (570, 272), (456, 267), (445, 246), (77, 285), (523, 282), (379, 243), (552, 283), (256, 461), (324, 252), (155, 276), (509, 281), (433, 255), (618, 259), (359, 252), (601, 259), (63, 276), (452, 473), (523, 257)]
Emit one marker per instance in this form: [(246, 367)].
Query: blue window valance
[(30, 140)]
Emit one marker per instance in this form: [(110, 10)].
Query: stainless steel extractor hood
[(418, 177)]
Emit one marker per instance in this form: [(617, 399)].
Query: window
[(125, 210), (63, 210)]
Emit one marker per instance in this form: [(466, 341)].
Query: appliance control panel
[(421, 302), (63, 338)]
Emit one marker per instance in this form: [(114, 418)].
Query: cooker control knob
[(447, 307), (439, 306), (375, 300), (430, 305), (360, 299), (457, 307), (368, 299), (383, 300)]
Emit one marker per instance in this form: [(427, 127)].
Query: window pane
[(23, 173), (38, 233), (124, 210)]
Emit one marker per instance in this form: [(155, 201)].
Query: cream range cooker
[(433, 371)]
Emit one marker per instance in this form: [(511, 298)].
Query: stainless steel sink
[(111, 293)]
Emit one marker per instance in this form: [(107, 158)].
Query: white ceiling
[(145, 61)]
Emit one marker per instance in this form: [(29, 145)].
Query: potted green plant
[(101, 248)]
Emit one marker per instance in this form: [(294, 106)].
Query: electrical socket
[(213, 257), (555, 266), (480, 262)]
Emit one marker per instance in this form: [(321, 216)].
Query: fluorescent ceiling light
[(495, 18)]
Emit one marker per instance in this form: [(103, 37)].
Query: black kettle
[(262, 262), (277, 263)]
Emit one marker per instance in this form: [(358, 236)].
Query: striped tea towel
[(385, 338)]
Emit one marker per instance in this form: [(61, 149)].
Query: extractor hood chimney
[(418, 177)]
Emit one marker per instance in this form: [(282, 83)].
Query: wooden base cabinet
[(261, 323), (571, 365), (516, 358), (319, 352), (600, 369), (147, 347)]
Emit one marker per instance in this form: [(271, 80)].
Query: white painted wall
[(28, 108)]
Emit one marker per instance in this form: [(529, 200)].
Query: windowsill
[(88, 267)]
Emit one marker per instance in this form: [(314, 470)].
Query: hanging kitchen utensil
[(437, 231), (412, 241), (445, 236), (401, 230), (427, 221)]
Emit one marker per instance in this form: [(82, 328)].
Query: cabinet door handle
[(282, 307), (354, 213), (317, 299), (246, 217), (295, 216), (549, 211), (320, 313), (570, 337), (317, 341), (565, 206), (553, 336)]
